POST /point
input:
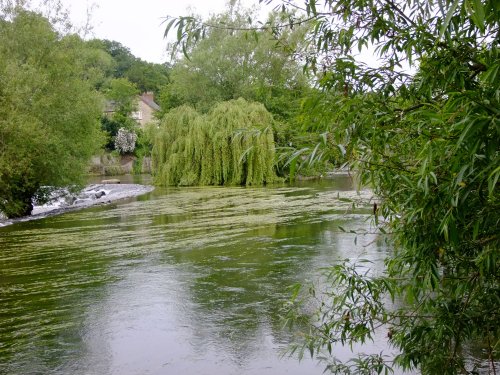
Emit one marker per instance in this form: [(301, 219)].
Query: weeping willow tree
[(231, 145)]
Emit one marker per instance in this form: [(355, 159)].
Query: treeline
[(230, 63), (63, 99), (143, 75), (237, 59), (54, 88)]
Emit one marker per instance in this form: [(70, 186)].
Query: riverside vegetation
[(52, 108), (53, 89), (231, 145), (427, 142)]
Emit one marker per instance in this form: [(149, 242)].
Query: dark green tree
[(148, 76), (145, 75), (123, 58), (49, 110)]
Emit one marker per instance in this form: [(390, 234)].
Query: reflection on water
[(180, 280)]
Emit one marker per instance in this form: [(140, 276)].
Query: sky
[(137, 24)]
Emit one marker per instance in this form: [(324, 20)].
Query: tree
[(428, 144), (231, 145), (124, 80), (122, 56), (49, 111), (146, 76), (231, 62), (121, 95), (235, 60)]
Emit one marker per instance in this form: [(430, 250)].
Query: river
[(178, 281)]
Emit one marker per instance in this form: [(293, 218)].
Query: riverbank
[(94, 194)]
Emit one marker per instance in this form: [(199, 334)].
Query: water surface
[(184, 281)]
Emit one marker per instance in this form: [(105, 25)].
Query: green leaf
[(460, 175), (312, 5), (478, 15), (184, 51), (475, 230), (180, 29), (311, 158), (447, 20), (169, 26), (493, 180)]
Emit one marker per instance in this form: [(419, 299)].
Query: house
[(146, 107)]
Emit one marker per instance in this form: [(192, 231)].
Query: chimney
[(149, 96)]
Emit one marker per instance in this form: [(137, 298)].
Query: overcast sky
[(137, 23)]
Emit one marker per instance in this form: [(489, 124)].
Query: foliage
[(231, 145), (231, 63), (237, 58), (98, 66), (125, 141), (428, 145), (348, 313), (308, 154), (110, 128), (167, 100), (122, 56), (143, 148), (49, 110), (234, 60), (148, 76), (144, 75), (145, 139), (122, 94)]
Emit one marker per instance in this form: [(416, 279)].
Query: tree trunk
[(26, 206), (18, 204)]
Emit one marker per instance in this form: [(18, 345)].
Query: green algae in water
[(190, 280)]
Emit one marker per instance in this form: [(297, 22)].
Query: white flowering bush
[(125, 141)]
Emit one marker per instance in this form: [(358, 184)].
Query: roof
[(150, 101), (110, 105)]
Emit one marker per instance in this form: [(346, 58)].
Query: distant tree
[(99, 65), (231, 62), (121, 95), (231, 145), (123, 58), (49, 110), (148, 76), (145, 75)]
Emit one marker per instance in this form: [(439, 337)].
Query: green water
[(177, 281)]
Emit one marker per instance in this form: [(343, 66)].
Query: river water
[(178, 281)]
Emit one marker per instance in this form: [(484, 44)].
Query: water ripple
[(179, 280)]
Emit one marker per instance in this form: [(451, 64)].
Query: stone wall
[(109, 164)]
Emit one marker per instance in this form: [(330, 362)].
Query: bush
[(125, 141)]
